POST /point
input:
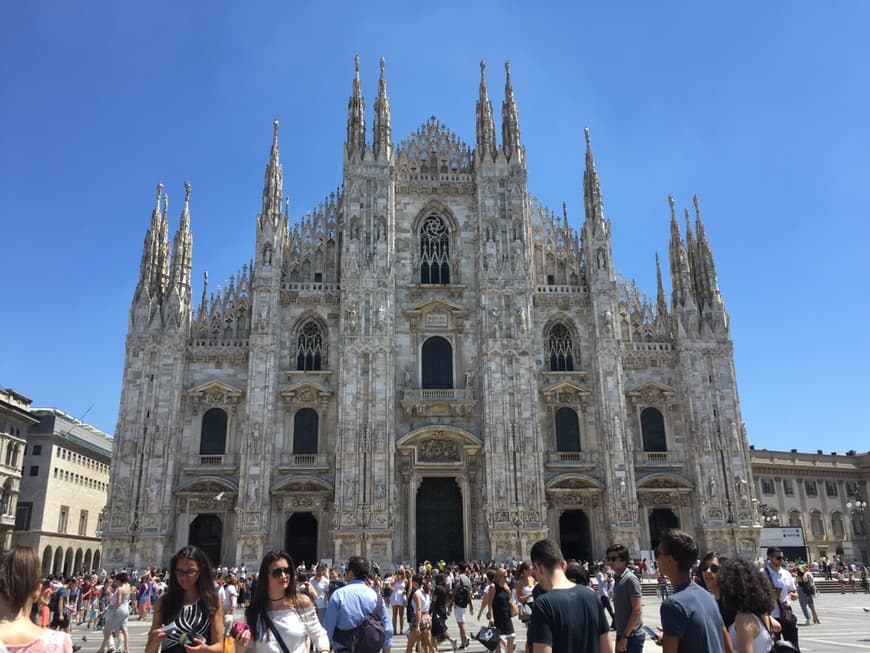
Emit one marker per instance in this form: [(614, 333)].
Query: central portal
[(440, 535)]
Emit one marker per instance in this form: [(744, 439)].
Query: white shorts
[(459, 614)]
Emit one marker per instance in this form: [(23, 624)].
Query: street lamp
[(771, 520), (859, 505)]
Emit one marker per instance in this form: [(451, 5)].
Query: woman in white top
[(746, 593), (397, 599), (277, 610)]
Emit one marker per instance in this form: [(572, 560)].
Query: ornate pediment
[(565, 392), (436, 314), (652, 393), (573, 483), (209, 486), (433, 152), (302, 485), (214, 393), (664, 482), (306, 393)]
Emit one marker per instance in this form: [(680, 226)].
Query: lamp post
[(859, 505)]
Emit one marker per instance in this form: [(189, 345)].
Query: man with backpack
[(356, 616), (460, 601)]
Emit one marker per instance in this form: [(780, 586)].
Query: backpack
[(462, 595), (368, 636), (410, 608)]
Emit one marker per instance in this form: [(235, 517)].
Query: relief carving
[(438, 450)]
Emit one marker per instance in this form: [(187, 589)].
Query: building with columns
[(429, 364), (15, 419)]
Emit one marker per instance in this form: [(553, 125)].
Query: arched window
[(652, 426), (837, 527), (857, 523), (434, 251), (437, 364), (794, 519), (567, 430), (213, 438), (310, 349), (305, 424), (816, 524), (560, 349)]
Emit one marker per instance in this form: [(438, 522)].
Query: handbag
[(514, 610), (489, 637), (777, 642), (525, 611), (786, 615)]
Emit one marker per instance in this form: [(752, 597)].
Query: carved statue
[(407, 377), (523, 320), (351, 318), (382, 316), (713, 488), (742, 488), (252, 493), (469, 377)]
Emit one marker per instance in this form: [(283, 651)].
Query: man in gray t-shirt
[(627, 602)]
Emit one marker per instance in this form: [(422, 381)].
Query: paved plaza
[(845, 627)]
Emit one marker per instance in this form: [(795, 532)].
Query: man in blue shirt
[(348, 605)]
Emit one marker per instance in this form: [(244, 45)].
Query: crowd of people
[(708, 604)]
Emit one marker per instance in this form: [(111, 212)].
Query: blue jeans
[(635, 643)]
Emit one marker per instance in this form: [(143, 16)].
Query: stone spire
[(681, 279), (708, 281), (383, 145), (182, 247), (592, 190), (356, 121), (273, 183), (150, 248), (486, 145), (661, 301), (203, 302), (163, 252), (510, 120)]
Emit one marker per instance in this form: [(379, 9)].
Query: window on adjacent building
[(794, 519), (811, 489), (567, 430), (213, 438), (851, 488), (437, 364), (787, 487), (305, 424), (838, 529), (560, 349), (37, 450), (831, 488), (310, 348), (816, 524), (652, 427), (63, 519), (34, 470), (22, 515), (83, 522), (767, 486), (434, 251), (858, 527)]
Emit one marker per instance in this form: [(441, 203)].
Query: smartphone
[(650, 632)]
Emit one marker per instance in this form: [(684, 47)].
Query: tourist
[(462, 600), (497, 604), (566, 618), (691, 622), (320, 583), (143, 597), (279, 618), (604, 590), (117, 613), (397, 587), (349, 605), (523, 592), (440, 595), (806, 595), (786, 591), (188, 617), (19, 585), (746, 594), (627, 602)]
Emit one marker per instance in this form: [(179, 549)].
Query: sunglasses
[(712, 568), (780, 557), (277, 572), (613, 558), (190, 573)]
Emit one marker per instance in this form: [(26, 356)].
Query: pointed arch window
[(305, 426), (560, 349), (213, 437), (310, 349), (652, 426), (567, 430), (434, 251), (437, 364)]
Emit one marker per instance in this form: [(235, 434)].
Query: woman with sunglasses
[(188, 617), (746, 593), (280, 619)]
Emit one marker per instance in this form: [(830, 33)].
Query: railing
[(218, 342), (304, 460), (7, 520), (319, 286), (559, 289), (648, 346), (655, 458), (569, 458), (443, 394), (211, 460)]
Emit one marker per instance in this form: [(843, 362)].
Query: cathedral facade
[(429, 365)]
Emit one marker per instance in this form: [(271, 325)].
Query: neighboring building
[(15, 419), (431, 364), (820, 493), (63, 492)]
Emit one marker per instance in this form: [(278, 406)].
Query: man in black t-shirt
[(568, 618)]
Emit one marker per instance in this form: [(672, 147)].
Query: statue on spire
[(486, 145), (383, 144), (356, 122)]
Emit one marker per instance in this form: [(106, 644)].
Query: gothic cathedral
[(430, 365)]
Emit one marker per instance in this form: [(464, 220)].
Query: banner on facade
[(781, 537)]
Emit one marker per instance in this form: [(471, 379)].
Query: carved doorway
[(659, 520), (439, 521), (300, 538), (206, 533), (575, 535)]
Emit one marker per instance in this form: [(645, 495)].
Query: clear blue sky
[(761, 108)]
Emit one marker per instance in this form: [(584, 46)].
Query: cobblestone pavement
[(845, 627)]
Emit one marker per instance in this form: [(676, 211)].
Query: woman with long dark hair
[(277, 610), (117, 613), (188, 614), (20, 576), (746, 593)]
